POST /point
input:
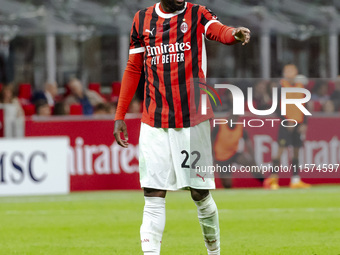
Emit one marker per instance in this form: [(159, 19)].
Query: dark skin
[(242, 34)]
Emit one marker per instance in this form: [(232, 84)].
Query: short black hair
[(102, 107), (39, 104)]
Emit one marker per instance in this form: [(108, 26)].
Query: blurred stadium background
[(53, 40), (72, 47)]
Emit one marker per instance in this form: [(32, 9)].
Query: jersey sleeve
[(136, 43), (207, 18), (129, 86), (214, 29)]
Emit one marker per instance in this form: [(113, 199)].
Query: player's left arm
[(216, 31), (130, 82)]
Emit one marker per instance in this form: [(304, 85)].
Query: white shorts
[(168, 157)]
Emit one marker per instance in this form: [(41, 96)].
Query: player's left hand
[(242, 34), (120, 127)]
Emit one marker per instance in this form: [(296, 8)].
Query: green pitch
[(252, 221)]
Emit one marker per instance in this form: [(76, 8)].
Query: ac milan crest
[(184, 27)]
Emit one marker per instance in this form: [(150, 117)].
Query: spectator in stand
[(320, 92), (113, 107), (59, 109), (101, 109), (328, 107), (335, 97), (48, 94), (87, 98), (42, 108), (261, 97), (135, 106), (7, 97), (311, 106)]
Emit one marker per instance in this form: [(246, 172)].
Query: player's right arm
[(216, 31), (129, 85)]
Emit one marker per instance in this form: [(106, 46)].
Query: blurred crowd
[(325, 94), (78, 99)]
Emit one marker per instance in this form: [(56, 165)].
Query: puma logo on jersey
[(149, 31)]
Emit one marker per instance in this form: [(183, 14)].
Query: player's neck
[(163, 9)]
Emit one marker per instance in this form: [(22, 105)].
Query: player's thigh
[(155, 162), (191, 148), (200, 141)]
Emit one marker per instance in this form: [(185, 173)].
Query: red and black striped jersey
[(174, 54)]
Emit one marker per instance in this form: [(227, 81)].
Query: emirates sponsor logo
[(168, 53), (168, 48)]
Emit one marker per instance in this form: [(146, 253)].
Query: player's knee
[(198, 195), (154, 193)]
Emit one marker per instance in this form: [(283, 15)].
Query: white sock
[(153, 225), (208, 218), (295, 179)]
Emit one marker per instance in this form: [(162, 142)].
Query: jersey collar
[(168, 15)]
